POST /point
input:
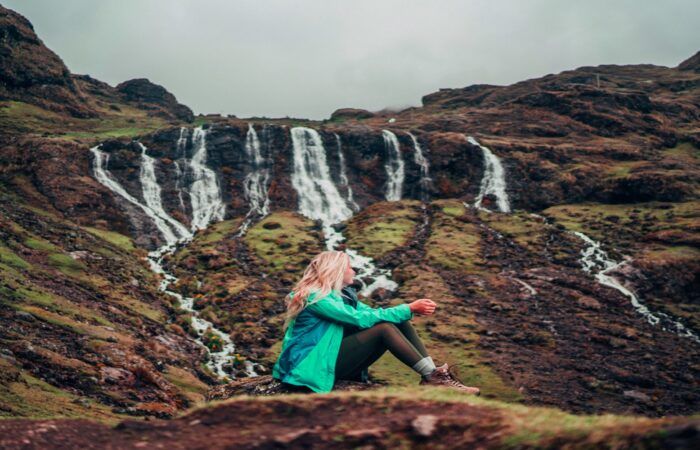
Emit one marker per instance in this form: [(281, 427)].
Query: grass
[(453, 244), (20, 117), (117, 239), (66, 264), (520, 227), (11, 259), (25, 396), (285, 241), (383, 227)]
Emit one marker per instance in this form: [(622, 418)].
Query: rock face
[(144, 93), (692, 63), (31, 72), (351, 113)]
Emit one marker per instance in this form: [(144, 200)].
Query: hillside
[(145, 254)]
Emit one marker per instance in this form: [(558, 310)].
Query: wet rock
[(115, 375), (424, 425), (25, 316), (636, 395)]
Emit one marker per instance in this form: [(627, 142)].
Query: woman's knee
[(385, 327)]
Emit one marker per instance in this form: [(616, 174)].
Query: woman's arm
[(363, 317)]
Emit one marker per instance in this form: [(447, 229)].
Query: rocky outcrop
[(351, 113), (148, 95), (692, 63), (32, 73)]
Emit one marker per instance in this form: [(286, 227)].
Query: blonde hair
[(324, 273)]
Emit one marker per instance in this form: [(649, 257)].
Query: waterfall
[(494, 180), (205, 193), (151, 194), (100, 163), (394, 166), (344, 176), (256, 182), (179, 174), (425, 181), (319, 199), (180, 149), (597, 262), (152, 208)]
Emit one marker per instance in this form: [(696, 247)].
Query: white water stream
[(596, 261), (425, 182), (174, 233), (256, 182), (205, 193), (493, 181), (319, 199), (394, 166), (344, 175)]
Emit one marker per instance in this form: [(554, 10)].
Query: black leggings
[(359, 350)]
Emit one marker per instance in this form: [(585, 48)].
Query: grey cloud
[(305, 58)]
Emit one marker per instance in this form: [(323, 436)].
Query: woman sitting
[(331, 335)]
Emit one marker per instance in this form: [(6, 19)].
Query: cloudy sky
[(306, 58)]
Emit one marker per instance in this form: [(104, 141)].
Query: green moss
[(66, 264), (383, 227), (119, 240), (8, 257), (62, 306), (30, 397), (453, 244), (285, 241), (19, 117), (40, 244)]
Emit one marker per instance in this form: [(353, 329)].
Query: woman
[(329, 337)]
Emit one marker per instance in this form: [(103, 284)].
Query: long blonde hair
[(324, 273)]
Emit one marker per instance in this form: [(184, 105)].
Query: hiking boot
[(442, 376)]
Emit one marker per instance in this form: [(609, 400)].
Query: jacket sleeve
[(362, 317)]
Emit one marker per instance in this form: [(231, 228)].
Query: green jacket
[(312, 340)]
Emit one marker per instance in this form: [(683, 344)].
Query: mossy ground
[(19, 117), (383, 227), (453, 244)]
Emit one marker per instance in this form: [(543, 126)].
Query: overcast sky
[(306, 58)]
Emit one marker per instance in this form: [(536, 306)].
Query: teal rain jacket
[(312, 340)]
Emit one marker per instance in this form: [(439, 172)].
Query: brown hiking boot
[(442, 376)]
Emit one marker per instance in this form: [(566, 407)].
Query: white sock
[(424, 366)]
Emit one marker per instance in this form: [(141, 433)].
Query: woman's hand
[(422, 307)]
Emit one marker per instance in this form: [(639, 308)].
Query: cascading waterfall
[(100, 163), (596, 261), (319, 199), (394, 166), (494, 180), (180, 147), (174, 234), (425, 181), (152, 197), (256, 182), (344, 176), (205, 194)]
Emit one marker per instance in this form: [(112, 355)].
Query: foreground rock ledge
[(360, 419)]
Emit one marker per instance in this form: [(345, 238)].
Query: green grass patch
[(453, 244), (117, 239), (11, 259), (383, 227), (285, 241), (66, 264)]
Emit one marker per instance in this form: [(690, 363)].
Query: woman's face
[(349, 275)]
